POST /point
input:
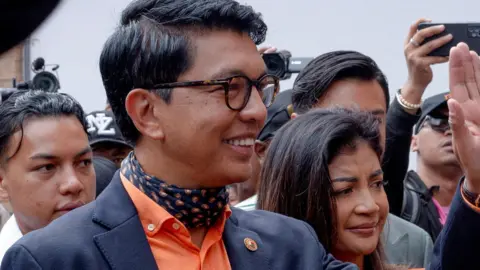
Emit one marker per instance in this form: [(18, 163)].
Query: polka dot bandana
[(193, 207)]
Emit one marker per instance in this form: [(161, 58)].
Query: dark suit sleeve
[(397, 153), (18, 257), (328, 261), (457, 245)]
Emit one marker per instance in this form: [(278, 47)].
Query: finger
[(456, 74), (266, 49), (413, 29), (468, 69), (476, 69), (271, 50), (462, 138), (432, 45), (433, 60), (421, 35)]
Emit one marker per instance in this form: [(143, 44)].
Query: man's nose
[(71, 183)]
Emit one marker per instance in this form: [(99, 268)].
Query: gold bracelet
[(405, 104)]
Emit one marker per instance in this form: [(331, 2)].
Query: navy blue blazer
[(107, 234)]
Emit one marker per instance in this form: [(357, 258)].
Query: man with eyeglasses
[(430, 189), (188, 88)]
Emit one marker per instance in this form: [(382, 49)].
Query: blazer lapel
[(236, 240), (124, 245)]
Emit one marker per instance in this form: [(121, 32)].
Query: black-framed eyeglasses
[(438, 124), (238, 89)]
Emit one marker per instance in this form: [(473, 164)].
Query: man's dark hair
[(25, 105), (314, 80), (153, 45)]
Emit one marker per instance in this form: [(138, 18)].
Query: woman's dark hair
[(24, 105), (295, 180), (313, 82), (153, 45)]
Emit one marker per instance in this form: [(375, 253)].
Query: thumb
[(462, 138)]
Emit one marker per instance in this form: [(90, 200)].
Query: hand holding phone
[(418, 59), (468, 33)]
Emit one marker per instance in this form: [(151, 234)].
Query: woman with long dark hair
[(324, 168)]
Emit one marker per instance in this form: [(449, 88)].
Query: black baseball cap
[(277, 115), (430, 105), (103, 129)]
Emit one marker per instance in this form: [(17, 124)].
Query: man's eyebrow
[(231, 73), (51, 156), (43, 156), (86, 150), (378, 112)]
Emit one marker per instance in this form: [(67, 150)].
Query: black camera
[(282, 64), (43, 80)]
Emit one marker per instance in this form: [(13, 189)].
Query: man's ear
[(293, 115), (140, 105), (414, 143)]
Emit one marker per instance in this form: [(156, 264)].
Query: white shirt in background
[(8, 236), (4, 216)]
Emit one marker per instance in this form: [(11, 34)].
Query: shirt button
[(176, 226), (151, 227)]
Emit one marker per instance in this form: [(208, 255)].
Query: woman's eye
[(343, 192)]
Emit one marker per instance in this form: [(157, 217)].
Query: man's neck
[(155, 163), (173, 173), (446, 178)]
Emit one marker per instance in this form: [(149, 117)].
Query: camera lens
[(275, 64), (46, 81)]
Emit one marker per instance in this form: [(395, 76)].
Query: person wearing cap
[(105, 137), (430, 189)]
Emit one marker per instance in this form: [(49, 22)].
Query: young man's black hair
[(314, 80), (25, 104)]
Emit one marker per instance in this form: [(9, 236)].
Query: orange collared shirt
[(170, 240)]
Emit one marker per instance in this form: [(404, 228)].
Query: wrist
[(409, 107), (471, 186), (412, 93)]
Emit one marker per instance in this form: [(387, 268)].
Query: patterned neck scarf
[(193, 207)]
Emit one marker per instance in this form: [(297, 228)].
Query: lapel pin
[(250, 244)]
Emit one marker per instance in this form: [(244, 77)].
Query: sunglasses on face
[(439, 124)]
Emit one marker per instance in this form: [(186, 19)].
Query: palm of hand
[(470, 157), (465, 110)]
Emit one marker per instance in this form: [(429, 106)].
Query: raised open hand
[(464, 107)]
